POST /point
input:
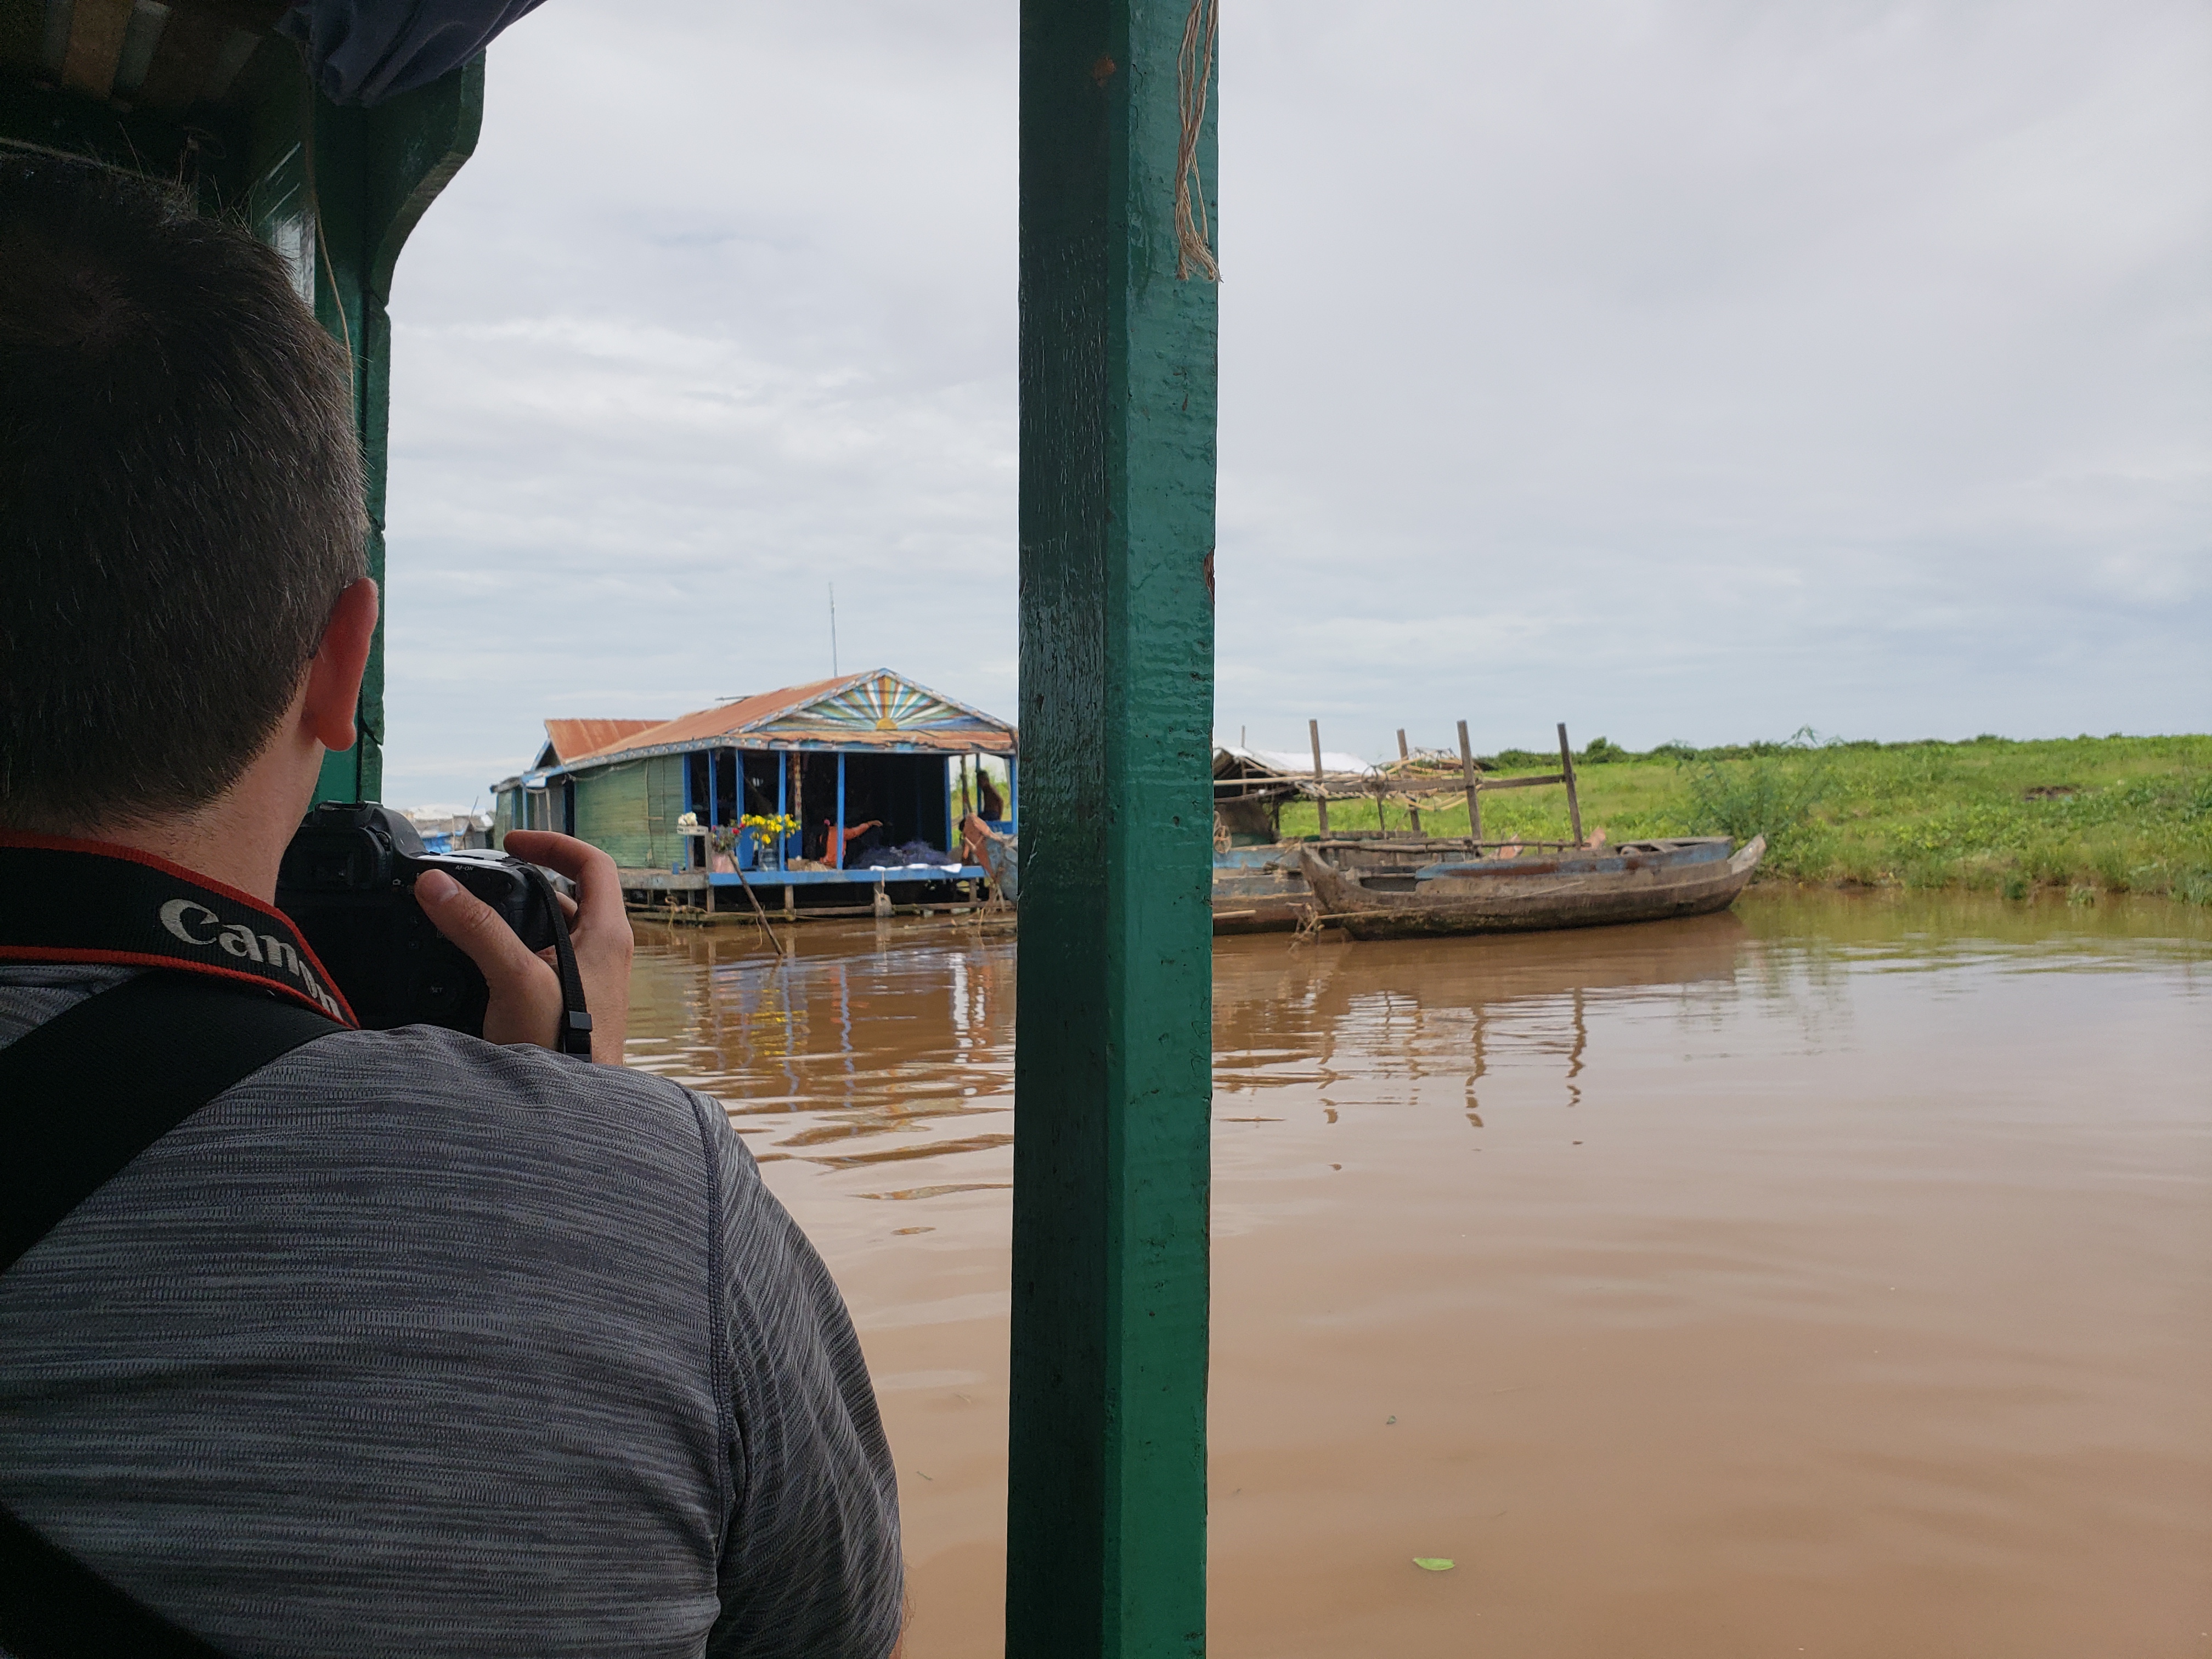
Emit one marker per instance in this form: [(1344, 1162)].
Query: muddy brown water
[(1832, 1276)]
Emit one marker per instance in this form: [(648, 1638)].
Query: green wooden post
[(1106, 1545), (341, 189)]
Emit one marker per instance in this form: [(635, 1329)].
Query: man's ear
[(333, 689)]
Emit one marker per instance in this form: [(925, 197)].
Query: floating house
[(447, 829), (523, 802), (854, 778)]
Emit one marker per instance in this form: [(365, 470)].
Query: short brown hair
[(180, 496)]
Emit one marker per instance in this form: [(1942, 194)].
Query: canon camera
[(348, 883)]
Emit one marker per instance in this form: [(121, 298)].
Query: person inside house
[(836, 842), (409, 1342)]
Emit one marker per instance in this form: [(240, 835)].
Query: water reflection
[(856, 1050), (1833, 1276), (1345, 1020), (875, 1036), (852, 1053)]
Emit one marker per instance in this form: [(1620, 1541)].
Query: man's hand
[(525, 990)]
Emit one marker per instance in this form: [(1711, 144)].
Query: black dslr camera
[(347, 882)]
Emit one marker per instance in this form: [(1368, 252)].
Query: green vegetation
[(2077, 815)]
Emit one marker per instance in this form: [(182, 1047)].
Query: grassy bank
[(2079, 814)]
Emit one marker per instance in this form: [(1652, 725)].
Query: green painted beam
[(370, 175), (1106, 1514)]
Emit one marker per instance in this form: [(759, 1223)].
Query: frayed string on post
[(1194, 69)]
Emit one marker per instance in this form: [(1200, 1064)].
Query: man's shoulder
[(476, 1292), (431, 1174), (432, 1066), (510, 1112)]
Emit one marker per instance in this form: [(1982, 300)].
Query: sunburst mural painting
[(884, 703)]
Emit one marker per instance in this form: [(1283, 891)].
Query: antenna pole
[(832, 630)]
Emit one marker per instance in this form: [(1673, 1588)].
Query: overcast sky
[(1690, 370)]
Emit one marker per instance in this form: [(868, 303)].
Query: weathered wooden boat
[(1636, 881), (1263, 889)]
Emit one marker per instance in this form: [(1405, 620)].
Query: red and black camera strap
[(87, 902)]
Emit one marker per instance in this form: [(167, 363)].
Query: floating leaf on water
[(1434, 1564), (1388, 1420)]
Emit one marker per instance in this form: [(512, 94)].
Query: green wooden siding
[(630, 811), (610, 814), (664, 805)]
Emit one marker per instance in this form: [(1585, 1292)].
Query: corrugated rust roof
[(726, 718), (570, 738), (876, 709)]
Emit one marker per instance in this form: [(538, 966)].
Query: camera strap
[(81, 1096), (574, 1036), (88, 902)]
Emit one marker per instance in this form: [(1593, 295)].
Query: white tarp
[(1293, 764)]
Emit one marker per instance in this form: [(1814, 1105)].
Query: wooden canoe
[(1638, 881)]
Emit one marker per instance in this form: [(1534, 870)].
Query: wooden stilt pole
[(794, 843), (1467, 773), (1567, 771), (791, 780), (1320, 789), (1412, 810), (757, 908)]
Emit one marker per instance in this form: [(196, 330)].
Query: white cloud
[(1676, 369)]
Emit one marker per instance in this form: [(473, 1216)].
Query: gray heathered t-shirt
[(413, 1345)]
